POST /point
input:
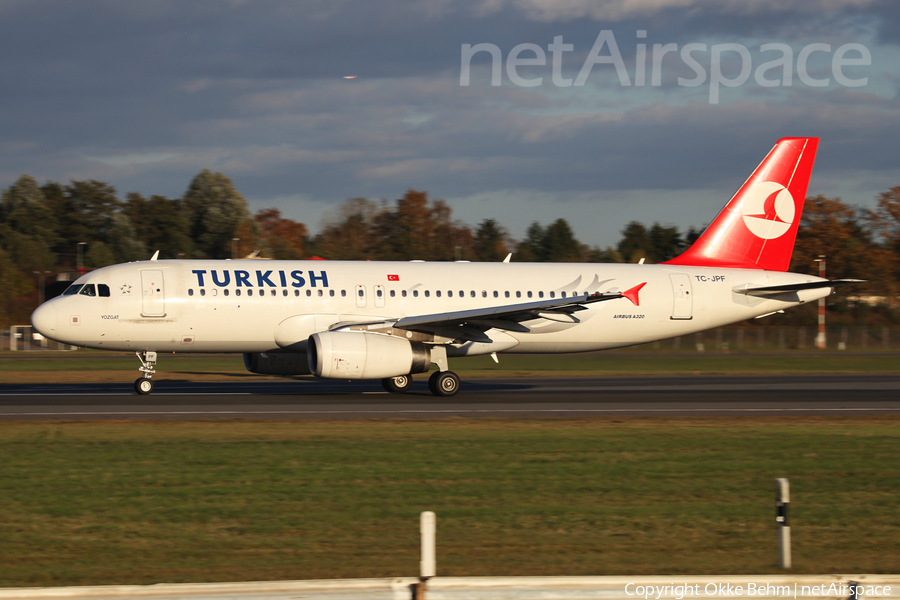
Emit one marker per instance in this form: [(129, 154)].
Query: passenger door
[(683, 301), (153, 293)]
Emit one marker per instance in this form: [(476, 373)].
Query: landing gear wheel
[(143, 386), (397, 385), (443, 383)]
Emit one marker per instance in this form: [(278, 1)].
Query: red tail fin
[(757, 228)]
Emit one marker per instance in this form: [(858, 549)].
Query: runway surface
[(692, 396)]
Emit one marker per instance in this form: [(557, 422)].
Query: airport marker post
[(782, 502), (427, 527)]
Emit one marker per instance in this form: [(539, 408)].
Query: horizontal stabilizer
[(776, 290)]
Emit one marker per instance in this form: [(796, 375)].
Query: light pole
[(40, 275), (234, 246), (820, 338), (80, 253)]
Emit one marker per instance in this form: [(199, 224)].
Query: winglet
[(632, 294), (508, 256), (155, 255)]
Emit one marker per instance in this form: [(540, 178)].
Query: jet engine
[(276, 363), (365, 355)]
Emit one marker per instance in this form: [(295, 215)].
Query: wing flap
[(510, 312)]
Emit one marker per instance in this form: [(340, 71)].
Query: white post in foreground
[(782, 502), (427, 526)]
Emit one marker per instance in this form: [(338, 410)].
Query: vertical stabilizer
[(757, 228)]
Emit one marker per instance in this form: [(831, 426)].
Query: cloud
[(154, 92), (618, 10)]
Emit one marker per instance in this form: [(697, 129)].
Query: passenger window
[(249, 292), (518, 294), (202, 292), (393, 293), (360, 292), (88, 290), (563, 294), (415, 293), (215, 292), (472, 293), (553, 294), (506, 294), (403, 293), (343, 293), (320, 293), (427, 293), (540, 294), (296, 293), (529, 294), (225, 292), (484, 293), (496, 294), (73, 289), (449, 294), (331, 293), (284, 292), (308, 293), (103, 290), (377, 293), (437, 293), (237, 292), (190, 292)]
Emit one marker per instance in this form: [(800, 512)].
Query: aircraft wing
[(775, 290), (471, 324)]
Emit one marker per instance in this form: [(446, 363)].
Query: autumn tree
[(348, 233), (282, 238), (160, 224), (531, 249), (90, 206), (215, 211), (29, 229), (490, 241), (830, 227)]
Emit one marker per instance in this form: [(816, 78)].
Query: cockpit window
[(73, 289), (103, 290), (88, 290)]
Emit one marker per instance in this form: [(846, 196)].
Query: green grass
[(116, 367), (143, 502)]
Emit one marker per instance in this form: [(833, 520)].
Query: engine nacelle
[(365, 355), (276, 363)]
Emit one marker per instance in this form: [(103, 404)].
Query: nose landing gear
[(144, 385)]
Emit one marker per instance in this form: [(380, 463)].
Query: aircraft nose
[(44, 320)]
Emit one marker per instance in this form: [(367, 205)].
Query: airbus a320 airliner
[(390, 320)]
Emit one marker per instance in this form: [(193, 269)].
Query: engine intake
[(365, 355)]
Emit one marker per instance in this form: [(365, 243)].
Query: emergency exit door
[(683, 301), (153, 293)]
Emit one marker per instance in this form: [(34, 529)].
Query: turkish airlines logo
[(768, 210)]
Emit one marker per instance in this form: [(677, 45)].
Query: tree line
[(51, 228)]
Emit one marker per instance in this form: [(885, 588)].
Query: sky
[(304, 104)]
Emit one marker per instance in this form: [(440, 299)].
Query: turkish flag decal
[(393, 278)]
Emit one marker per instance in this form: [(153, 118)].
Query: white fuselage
[(261, 305)]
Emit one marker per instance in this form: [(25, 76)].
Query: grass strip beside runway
[(119, 368), (145, 502)]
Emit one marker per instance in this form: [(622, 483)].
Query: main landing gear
[(144, 385), (441, 383), (397, 385)]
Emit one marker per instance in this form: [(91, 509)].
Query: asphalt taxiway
[(682, 396)]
